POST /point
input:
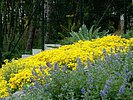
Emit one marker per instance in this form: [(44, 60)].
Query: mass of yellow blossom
[(16, 73)]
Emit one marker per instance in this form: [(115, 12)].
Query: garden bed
[(17, 73)]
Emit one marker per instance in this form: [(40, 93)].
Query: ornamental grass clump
[(108, 79), (12, 71)]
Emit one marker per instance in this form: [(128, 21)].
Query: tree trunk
[(47, 19), (31, 38), (1, 39)]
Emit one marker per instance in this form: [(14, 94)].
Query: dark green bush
[(108, 79)]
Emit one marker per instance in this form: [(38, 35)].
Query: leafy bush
[(111, 79), (84, 34), (128, 35)]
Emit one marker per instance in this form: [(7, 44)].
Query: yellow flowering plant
[(17, 72), (17, 81), (3, 86)]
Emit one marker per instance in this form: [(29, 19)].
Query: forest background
[(28, 24)]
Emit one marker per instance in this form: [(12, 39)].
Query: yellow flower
[(18, 72), (3, 86)]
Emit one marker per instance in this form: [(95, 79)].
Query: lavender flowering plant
[(110, 79)]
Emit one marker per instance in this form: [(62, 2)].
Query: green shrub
[(110, 79), (128, 35), (84, 34)]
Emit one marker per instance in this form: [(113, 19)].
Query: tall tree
[(1, 39), (1, 33)]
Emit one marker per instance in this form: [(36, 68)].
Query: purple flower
[(117, 56), (36, 84), (34, 73), (83, 91), (47, 86), (90, 78), (79, 62), (56, 67), (89, 62), (106, 88), (91, 86), (32, 80), (64, 68), (41, 69), (49, 65), (103, 93), (127, 76), (127, 70), (118, 74), (111, 57), (100, 65), (31, 88), (108, 82), (122, 89), (104, 51)]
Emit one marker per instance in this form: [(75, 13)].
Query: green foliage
[(1, 4), (62, 17), (110, 78), (84, 34), (128, 35)]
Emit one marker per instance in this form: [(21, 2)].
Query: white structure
[(122, 21), (25, 55), (36, 51), (51, 46)]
